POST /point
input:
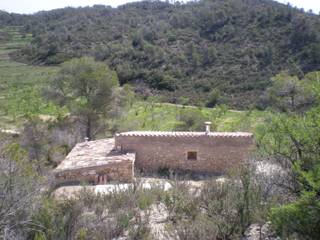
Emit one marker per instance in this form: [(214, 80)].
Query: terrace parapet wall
[(96, 160), (118, 172)]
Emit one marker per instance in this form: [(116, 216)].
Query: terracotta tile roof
[(184, 134)]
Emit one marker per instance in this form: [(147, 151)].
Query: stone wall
[(96, 162), (214, 154), (114, 172)]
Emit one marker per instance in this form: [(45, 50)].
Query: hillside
[(221, 52), (20, 97), (20, 84), (186, 50)]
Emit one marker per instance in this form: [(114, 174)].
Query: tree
[(85, 87), (284, 92), (289, 94), (213, 98), (294, 141), (198, 40), (190, 120), (48, 140), (19, 191), (300, 217)]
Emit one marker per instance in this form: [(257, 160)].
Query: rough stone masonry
[(107, 160), (96, 162), (192, 151)]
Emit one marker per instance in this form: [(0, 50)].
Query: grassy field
[(166, 117), (20, 84), (20, 96)]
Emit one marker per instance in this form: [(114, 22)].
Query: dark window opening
[(192, 156)]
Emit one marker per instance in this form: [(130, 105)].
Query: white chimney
[(86, 141), (208, 124)]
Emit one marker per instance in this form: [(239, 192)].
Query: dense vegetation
[(232, 47), (22, 98), (208, 52), (292, 139)]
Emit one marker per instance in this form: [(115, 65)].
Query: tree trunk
[(88, 128), (292, 102)]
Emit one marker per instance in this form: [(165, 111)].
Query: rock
[(255, 232), (157, 221)]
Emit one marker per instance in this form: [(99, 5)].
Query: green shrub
[(49, 221), (301, 217), (213, 98), (82, 234), (145, 199), (190, 120), (124, 220)]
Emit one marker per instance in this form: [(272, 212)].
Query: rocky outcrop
[(260, 232)]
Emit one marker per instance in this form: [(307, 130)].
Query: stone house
[(115, 159)]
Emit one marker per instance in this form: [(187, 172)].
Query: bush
[(222, 210), (200, 228), (301, 217), (190, 120), (144, 200), (124, 220), (213, 98)]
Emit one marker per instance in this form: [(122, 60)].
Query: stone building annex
[(115, 159)]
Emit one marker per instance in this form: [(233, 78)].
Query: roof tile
[(183, 134)]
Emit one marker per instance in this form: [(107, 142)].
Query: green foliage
[(301, 217), (312, 85), (190, 120), (19, 190), (180, 204), (39, 236), (221, 210), (49, 218), (91, 216), (145, 200), (85, 87), (284, 91), (293, 140), (168, 117), (47, 140), (124, 220), (82, 234), (213, 98), (235, 46), (288, 93), (20, 84)]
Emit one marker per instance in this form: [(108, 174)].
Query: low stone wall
[(116, 172), (97, 162), (214, 154)]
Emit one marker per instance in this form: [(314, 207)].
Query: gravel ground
[(146, 183)]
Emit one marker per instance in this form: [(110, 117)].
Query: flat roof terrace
[(90, 161)]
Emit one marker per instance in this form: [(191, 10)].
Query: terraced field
[(20, 84), (20, 97)]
